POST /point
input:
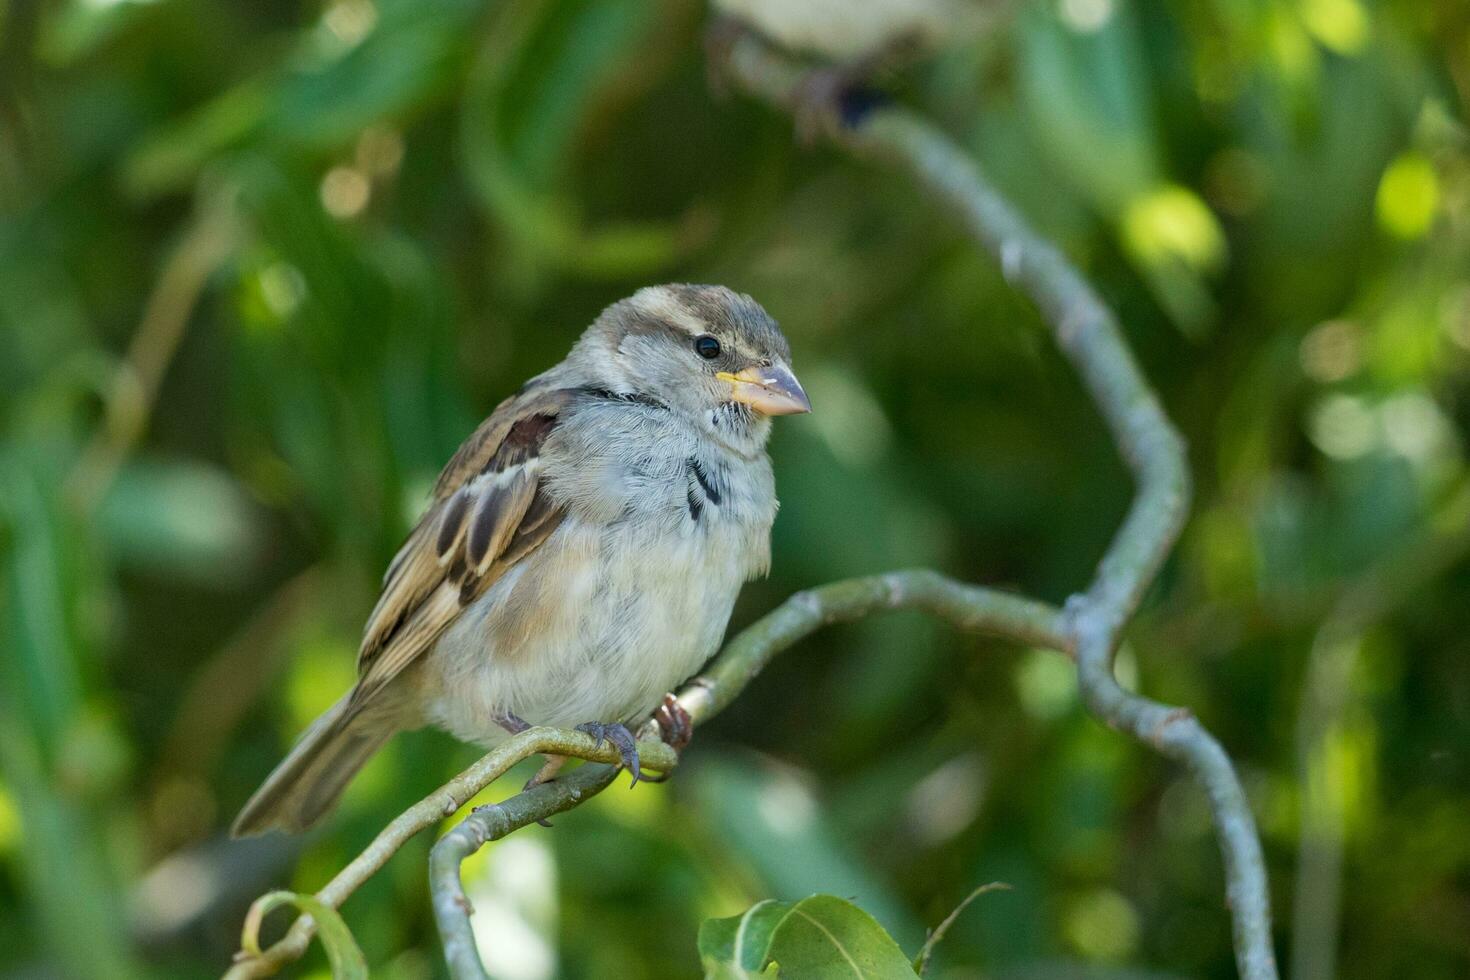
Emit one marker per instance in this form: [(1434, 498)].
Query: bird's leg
[(834, 97), (674, 723), (547, 771), (617, 733), (514, 724), (675, 727), (510, 722)]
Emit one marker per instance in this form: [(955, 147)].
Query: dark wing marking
[(488, 513)]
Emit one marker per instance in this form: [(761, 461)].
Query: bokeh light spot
[(851, 420), (1343, 427), (1454, 314), (786, 806), (1340, 26), (345, 192), (514, 894), (320, 674), (282, 287), (1086, 16), (350, 21), (1413, 426), (946, 801), (10, 825), (1408, 196), (1172, 223), (1332, 351), (1102, 925), (1046, 684)]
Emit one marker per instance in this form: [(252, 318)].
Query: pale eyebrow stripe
[(660, 302)]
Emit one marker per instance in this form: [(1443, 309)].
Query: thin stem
[(206, 243), (1327, 695)]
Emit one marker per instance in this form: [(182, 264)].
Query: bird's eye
[(707, 347)]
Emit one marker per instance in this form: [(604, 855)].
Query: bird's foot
[(832, 99), (617, 733), (545, 774), (674, 724), (675, 727)]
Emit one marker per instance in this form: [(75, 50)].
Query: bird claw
[(675, 727), (621, 739), (510, 721), (674, 724)]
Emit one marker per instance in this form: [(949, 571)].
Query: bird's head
[(705, 351)]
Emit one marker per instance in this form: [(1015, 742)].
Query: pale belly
[(592, 627)]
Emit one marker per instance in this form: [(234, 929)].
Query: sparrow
[(855, 40), (582, 550)]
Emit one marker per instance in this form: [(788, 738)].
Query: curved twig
[(452, 908), (1088, 335), (967, 606), (433, 809), (1088, 628)]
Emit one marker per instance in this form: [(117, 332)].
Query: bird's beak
[(770, 390)]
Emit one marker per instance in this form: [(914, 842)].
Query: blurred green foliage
[(263, 265)]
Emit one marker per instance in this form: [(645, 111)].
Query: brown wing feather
[(488, 513)]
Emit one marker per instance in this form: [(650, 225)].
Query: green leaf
[(791, 843), (828, 937), (818, 938), (737, 946), (342, 953)]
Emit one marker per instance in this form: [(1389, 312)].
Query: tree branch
[(1089, 336), (434, 808), (967, 606), (1089, 627), (452, 908)]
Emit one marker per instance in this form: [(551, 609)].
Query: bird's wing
[(489, 512)]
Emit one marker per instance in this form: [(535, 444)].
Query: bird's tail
[(308, 782)]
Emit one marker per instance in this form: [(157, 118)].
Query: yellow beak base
[(770, 390)]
